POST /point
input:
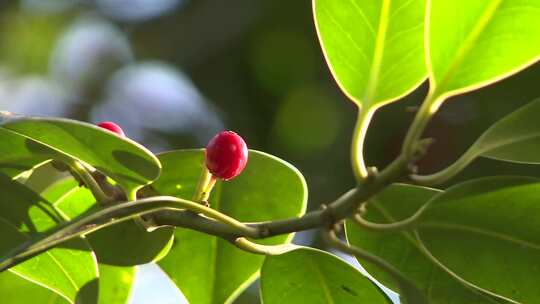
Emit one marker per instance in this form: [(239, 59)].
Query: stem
[(255, 248), (89, 181), (447, 173), (147, 226), (109, 216), (390, 227), (357, 147), (132, 195), (428, 108), (410, 293), (343, 207), (206, 182)]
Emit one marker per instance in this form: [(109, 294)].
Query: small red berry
[(111, 126), (226, 155)]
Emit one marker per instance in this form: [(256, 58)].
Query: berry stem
[(206, 183)]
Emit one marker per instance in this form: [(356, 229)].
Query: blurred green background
[(174, 72)]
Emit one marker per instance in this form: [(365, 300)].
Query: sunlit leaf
[(515, 138), (115, 284), (375, 49), (474, 43), (309, 275), (16, 290), (70, 269), (127, 162)]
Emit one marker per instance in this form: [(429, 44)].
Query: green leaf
[(374, 49), (474, 43), (16, 156), (487, 232), (398, 202), (122, 244), (124, 160), (69, 270), (312, 276), (515, 138), (209, 270), (127, 244), (16, 290), (67, 197), (115, 284)]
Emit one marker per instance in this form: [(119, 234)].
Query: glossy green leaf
[(474, 43), (70, 270), (312, 276), (16, 155), (67, 197), (16, 290), (375, 49), (209, 270), (123, 244), (127, 244), (115, 284), (515, 138), (398, 202), (494, 223), (127, 162)]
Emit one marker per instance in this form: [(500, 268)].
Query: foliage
[(109, 204)]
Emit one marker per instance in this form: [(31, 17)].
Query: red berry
[(111, 126), (226, 155)]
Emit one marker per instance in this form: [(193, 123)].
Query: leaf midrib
[(501, 143), (322, 281), (64, 271), (378, 53), (467, 45), (496, 235)]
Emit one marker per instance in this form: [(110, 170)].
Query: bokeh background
[(174, 72)]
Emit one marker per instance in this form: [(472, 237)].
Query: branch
[(113, 215), (338, 210), (255, 248)]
